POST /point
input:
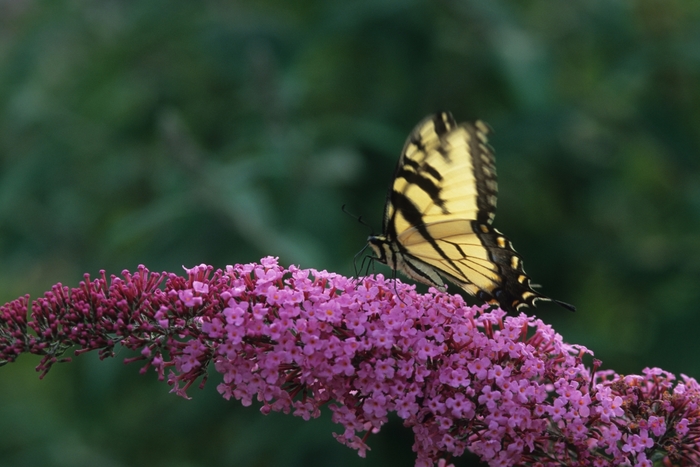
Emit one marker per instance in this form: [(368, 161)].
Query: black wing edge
[(516, 290)]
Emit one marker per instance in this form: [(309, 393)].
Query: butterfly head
[(381, 248)]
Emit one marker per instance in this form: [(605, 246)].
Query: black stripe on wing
[(441, 123), (424, 183), (412, 215)]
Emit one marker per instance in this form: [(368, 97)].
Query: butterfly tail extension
[(568, 306)]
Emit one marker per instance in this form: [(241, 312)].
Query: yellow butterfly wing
[(438, 215)]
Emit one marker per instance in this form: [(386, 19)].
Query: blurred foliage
[(175, 133)]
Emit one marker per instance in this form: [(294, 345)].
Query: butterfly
[(438, 215)]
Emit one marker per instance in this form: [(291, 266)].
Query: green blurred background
[(174, 133)]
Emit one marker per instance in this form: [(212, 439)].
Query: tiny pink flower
[(480, 367), (189, 299)]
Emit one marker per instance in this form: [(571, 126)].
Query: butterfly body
[(438, 215)]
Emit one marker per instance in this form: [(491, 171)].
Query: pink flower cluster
[(504, 387)]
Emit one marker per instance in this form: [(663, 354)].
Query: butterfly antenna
[(358, 219)]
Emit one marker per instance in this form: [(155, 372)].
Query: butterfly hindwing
[(438, 215)]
